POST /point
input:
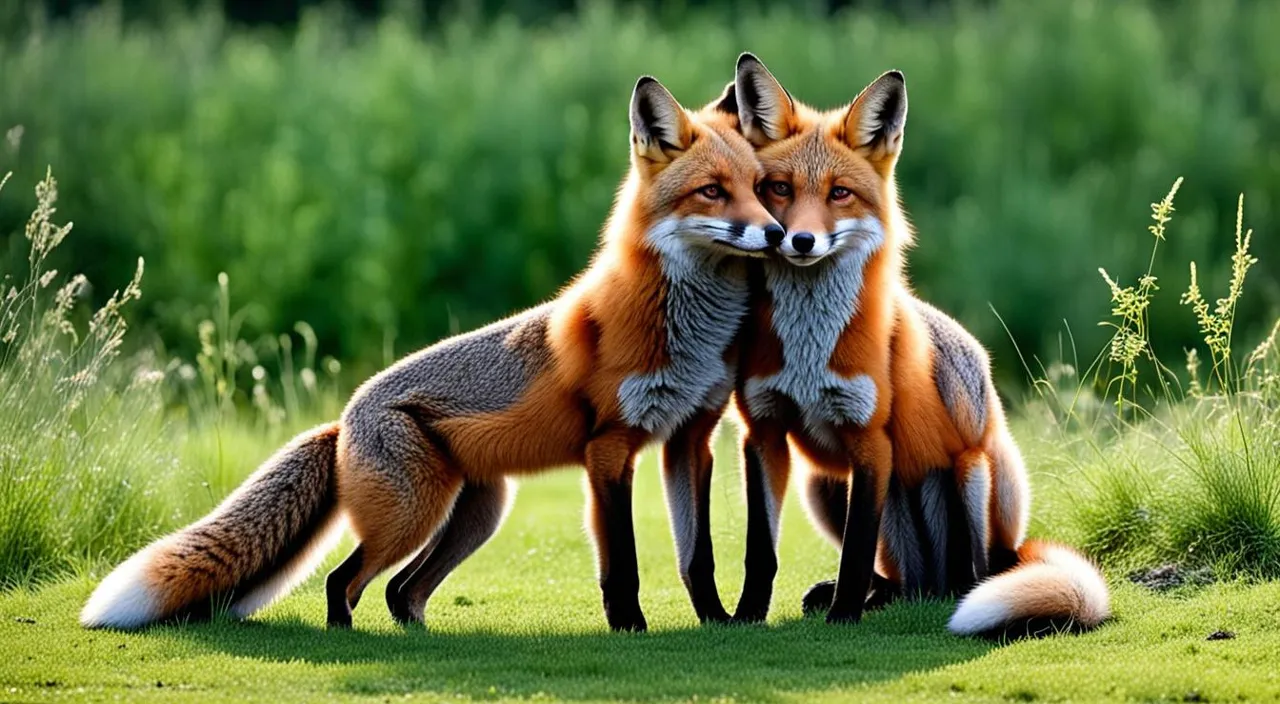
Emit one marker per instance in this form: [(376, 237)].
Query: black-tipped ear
[(877, 118), (660, 128), (765, 109)]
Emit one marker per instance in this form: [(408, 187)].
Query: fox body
[(637, 349), (888, 401)]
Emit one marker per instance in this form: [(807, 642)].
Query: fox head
[(695, 179), (828, 175)]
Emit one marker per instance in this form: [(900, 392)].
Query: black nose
[(773, 234), (802, 242)]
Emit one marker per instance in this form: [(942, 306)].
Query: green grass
[(522, 620), (1163, 467)]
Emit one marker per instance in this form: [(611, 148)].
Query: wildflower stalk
[(1130, 305)]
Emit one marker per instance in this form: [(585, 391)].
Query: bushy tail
[(263, 540), (1053, 588)]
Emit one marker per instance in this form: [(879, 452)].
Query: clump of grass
[(80, 434), (237, 410), (99, 454), (1178, 472)]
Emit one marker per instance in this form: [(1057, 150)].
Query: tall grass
[(100, 453), (1184, 467), (78, 438)]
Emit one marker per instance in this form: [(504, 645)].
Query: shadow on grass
[(742, 662)]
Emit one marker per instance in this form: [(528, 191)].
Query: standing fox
[(638, 348), (889, 400)]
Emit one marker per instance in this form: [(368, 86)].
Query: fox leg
[(686, 479), (476, 516), (973, 480), (610, 461), (398, 581), (1010, 504), (396, 487), (767, 465), (871, 453), (827, 500)]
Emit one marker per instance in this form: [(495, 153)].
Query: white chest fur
[(811, 308), (705, 305)]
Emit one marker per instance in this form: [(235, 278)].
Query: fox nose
[(773, 234), (803, 242)]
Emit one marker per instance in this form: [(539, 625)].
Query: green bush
[(1170, 472), (391, 183)]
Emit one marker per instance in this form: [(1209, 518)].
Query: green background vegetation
[(404, 179), (391, 181)]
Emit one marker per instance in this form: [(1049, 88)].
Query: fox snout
[(804, 248), (751, 239), (773, 234)]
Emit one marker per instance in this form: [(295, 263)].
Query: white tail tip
[(1059, 584), (124, 599)]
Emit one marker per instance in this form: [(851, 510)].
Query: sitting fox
[(888, 401), (637, 349)]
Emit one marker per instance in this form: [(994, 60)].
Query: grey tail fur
[(259, 543)]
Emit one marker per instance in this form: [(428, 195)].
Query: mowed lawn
[(522, 620)]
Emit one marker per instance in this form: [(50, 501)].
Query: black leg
[(762, 467), (336, 589), (476, 516), (700, 579), (610, 467), (620, 581), (858, 553), (394, 602)]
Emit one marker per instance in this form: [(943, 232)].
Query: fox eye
[(840, 193), (782, 189), (712, 192)]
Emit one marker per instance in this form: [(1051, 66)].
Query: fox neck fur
[(812, 307), (705, 302)]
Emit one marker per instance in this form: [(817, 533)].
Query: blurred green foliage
[(413, 179)]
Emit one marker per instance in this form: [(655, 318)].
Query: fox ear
[(728, 100), (766, 111), (877, 119), (660, 128)]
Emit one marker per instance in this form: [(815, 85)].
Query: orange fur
[(415, 437), (917, 428)]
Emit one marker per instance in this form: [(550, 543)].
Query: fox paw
[(627, 620), (844, 616), (818, 599)]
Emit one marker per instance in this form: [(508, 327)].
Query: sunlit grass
[(92, 464), (81, 437), (1182, 468)]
